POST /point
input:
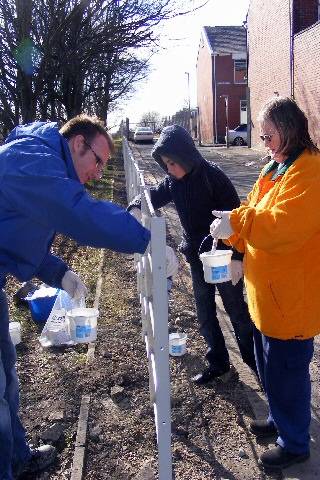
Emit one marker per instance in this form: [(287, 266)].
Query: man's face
[(174, 169), (89, 158)]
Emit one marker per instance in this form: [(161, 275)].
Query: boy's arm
[(159, 195)]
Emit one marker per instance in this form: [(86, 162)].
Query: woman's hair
[(290, 122)]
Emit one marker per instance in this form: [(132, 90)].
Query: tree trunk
[(24, 56)]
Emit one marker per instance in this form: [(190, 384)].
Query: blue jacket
[(204, 188), (40, 194)]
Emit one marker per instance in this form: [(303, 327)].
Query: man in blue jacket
[(42, 172), (197, 187)]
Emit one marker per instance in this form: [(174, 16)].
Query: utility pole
[(226, 102), (189, 108), (127, 130)]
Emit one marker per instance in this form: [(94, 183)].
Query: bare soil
[(210, 438)]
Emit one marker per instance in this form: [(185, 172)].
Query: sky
[(166, 89)]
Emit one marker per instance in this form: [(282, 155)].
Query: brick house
[(284, 57), (221, 81)]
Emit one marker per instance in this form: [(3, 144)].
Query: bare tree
[(152, 119), (61, 57)]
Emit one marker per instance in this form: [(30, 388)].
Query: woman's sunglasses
[(266, 137)]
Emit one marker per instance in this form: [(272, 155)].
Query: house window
[(243, 111), (240, 71), (305, 14)]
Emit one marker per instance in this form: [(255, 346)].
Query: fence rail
[(152, 289)]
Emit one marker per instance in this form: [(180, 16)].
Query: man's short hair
[(88, 127)]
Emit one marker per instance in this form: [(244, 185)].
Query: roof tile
[(227, 39)]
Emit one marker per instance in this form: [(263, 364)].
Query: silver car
[(238, 136), (143, 134)]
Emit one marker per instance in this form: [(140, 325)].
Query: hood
[(177, 143), (46, 131)]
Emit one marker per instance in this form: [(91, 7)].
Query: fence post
[(152, 288)]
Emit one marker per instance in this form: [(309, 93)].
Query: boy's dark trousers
[(237, 309)]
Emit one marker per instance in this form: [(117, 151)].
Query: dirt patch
[(209, 425), (209, 435)]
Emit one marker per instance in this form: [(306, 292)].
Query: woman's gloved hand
[(221, 227), (236, 271), (72, 284), (172, 262)]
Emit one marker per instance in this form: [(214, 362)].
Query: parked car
[(143, 134), (238, 136)]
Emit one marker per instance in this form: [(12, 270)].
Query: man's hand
[(72, 284), (172, 262), (221, 227), (236, 271), (136, 213)]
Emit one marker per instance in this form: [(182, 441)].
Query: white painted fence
[(152, 288)]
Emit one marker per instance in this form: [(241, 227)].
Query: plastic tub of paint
[(177, 344), (216, 266), (82, 324), (15, 332)]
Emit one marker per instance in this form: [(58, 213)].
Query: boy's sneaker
[(278, 458), (263, 428), (41, 458), (212, 373)]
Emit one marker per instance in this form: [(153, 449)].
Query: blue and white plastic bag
[(56, 332)]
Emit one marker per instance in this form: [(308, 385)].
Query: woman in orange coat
[(279, 231)]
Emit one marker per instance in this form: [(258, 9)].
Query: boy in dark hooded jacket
[(197, 187)]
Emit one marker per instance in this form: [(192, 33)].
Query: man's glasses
[(266, 137), (99, 161)]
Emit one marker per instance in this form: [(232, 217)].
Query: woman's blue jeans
[(13, 447), (237, 309), (283, 367)]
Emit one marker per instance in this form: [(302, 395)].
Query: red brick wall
[(235, 92), (206, 99), (205, 94), (307, 76), (305, 14), (269, 54), (269, 57)]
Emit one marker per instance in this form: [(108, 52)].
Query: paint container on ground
[(177, 344), (41, 302), (15, 332), (82, 324)]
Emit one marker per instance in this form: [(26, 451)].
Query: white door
[(243, 111)]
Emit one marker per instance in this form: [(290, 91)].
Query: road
[(242, 165)]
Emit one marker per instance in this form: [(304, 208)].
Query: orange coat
[(279, 231)]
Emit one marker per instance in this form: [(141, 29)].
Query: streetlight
[(189, 109), (226, 102)]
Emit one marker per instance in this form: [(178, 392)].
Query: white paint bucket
[(216, 266), (82, 324), (15, 332), (177, 344)]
